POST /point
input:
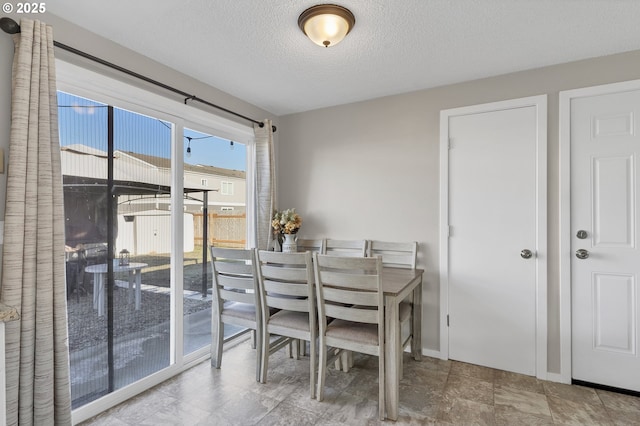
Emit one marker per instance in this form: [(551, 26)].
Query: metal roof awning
[(120, 187)]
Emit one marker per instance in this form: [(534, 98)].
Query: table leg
[(392, 357), (98, 293), (138, 288), (416, 339), (130, 288), (96, 290)]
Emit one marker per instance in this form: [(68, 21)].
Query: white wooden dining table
[(397, 284)]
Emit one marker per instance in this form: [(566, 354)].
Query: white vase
[(289, 245)]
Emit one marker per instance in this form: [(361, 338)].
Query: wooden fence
[(223, 230)]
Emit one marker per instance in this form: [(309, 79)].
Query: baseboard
[(555, 377), (431, 353)]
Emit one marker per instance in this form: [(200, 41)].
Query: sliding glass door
[(138, 238)]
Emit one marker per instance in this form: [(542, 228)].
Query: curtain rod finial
[(9, 26)]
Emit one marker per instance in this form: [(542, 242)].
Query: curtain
[(33, 264), (265, 184)]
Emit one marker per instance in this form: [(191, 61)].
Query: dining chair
[(285, 282), (306, 244), (350, 248), (346, 248), (235, 301), (398, 255), (349, 290)]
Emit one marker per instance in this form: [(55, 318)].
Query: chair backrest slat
[(235, 282), (341, 296), (234, 267), (236, 296), (369, 316), (346, 248), (285, 274), (284, 288), (355, 279), (289, 304)]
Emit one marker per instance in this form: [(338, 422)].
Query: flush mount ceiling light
[(326, 24)]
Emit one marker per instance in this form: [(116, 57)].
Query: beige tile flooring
[(432, 392)]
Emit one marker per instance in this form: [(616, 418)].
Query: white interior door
[(497, 210), (604, 223)]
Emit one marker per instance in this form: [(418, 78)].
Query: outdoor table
[(99, 273)]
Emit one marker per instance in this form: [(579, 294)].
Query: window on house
[(226, 188), (203, 182)]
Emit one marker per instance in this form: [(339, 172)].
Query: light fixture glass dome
[(326, 25)]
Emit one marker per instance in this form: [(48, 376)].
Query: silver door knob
[(582, 254), (526, 254)]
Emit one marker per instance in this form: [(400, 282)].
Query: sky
[(83, 121)]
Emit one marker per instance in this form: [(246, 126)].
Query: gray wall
[(371, 169)]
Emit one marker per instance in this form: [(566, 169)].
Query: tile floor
[(432, 392)]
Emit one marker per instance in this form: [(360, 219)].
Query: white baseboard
[(430, 353), (555, 377)]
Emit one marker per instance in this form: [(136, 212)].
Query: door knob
[(582, 254), (526, 254)]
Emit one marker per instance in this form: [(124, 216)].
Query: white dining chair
[(307, 244), (286, 284), (394, 254), (349, 248), (398, 255), (235, 301), (350, 292)]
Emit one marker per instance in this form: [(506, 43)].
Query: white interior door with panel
[(494, 267), (605, 264)]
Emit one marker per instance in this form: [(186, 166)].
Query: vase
[(290, 245)]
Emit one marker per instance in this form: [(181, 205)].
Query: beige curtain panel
[(33, 275), (265, 184)]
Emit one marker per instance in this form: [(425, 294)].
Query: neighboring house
[(142, 184)]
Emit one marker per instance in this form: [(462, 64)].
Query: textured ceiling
[(254, 50)]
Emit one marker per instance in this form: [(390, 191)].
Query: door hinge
[(449, 144), (449, 231), (447, 320)]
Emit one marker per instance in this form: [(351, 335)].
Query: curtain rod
[(10, 26)]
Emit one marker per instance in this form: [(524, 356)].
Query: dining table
[(99, 272), (397, 285)]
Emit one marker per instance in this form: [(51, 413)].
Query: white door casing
[(504, 119), (600, 140)]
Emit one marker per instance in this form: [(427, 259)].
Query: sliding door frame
[(95, 86)]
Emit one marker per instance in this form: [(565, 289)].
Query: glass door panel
[(116, 172), (215, 215)]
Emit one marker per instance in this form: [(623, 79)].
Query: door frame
[(540, 103), (566, 97)]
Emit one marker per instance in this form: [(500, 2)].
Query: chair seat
[(240, 310), (290, 319), (354, 331)]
